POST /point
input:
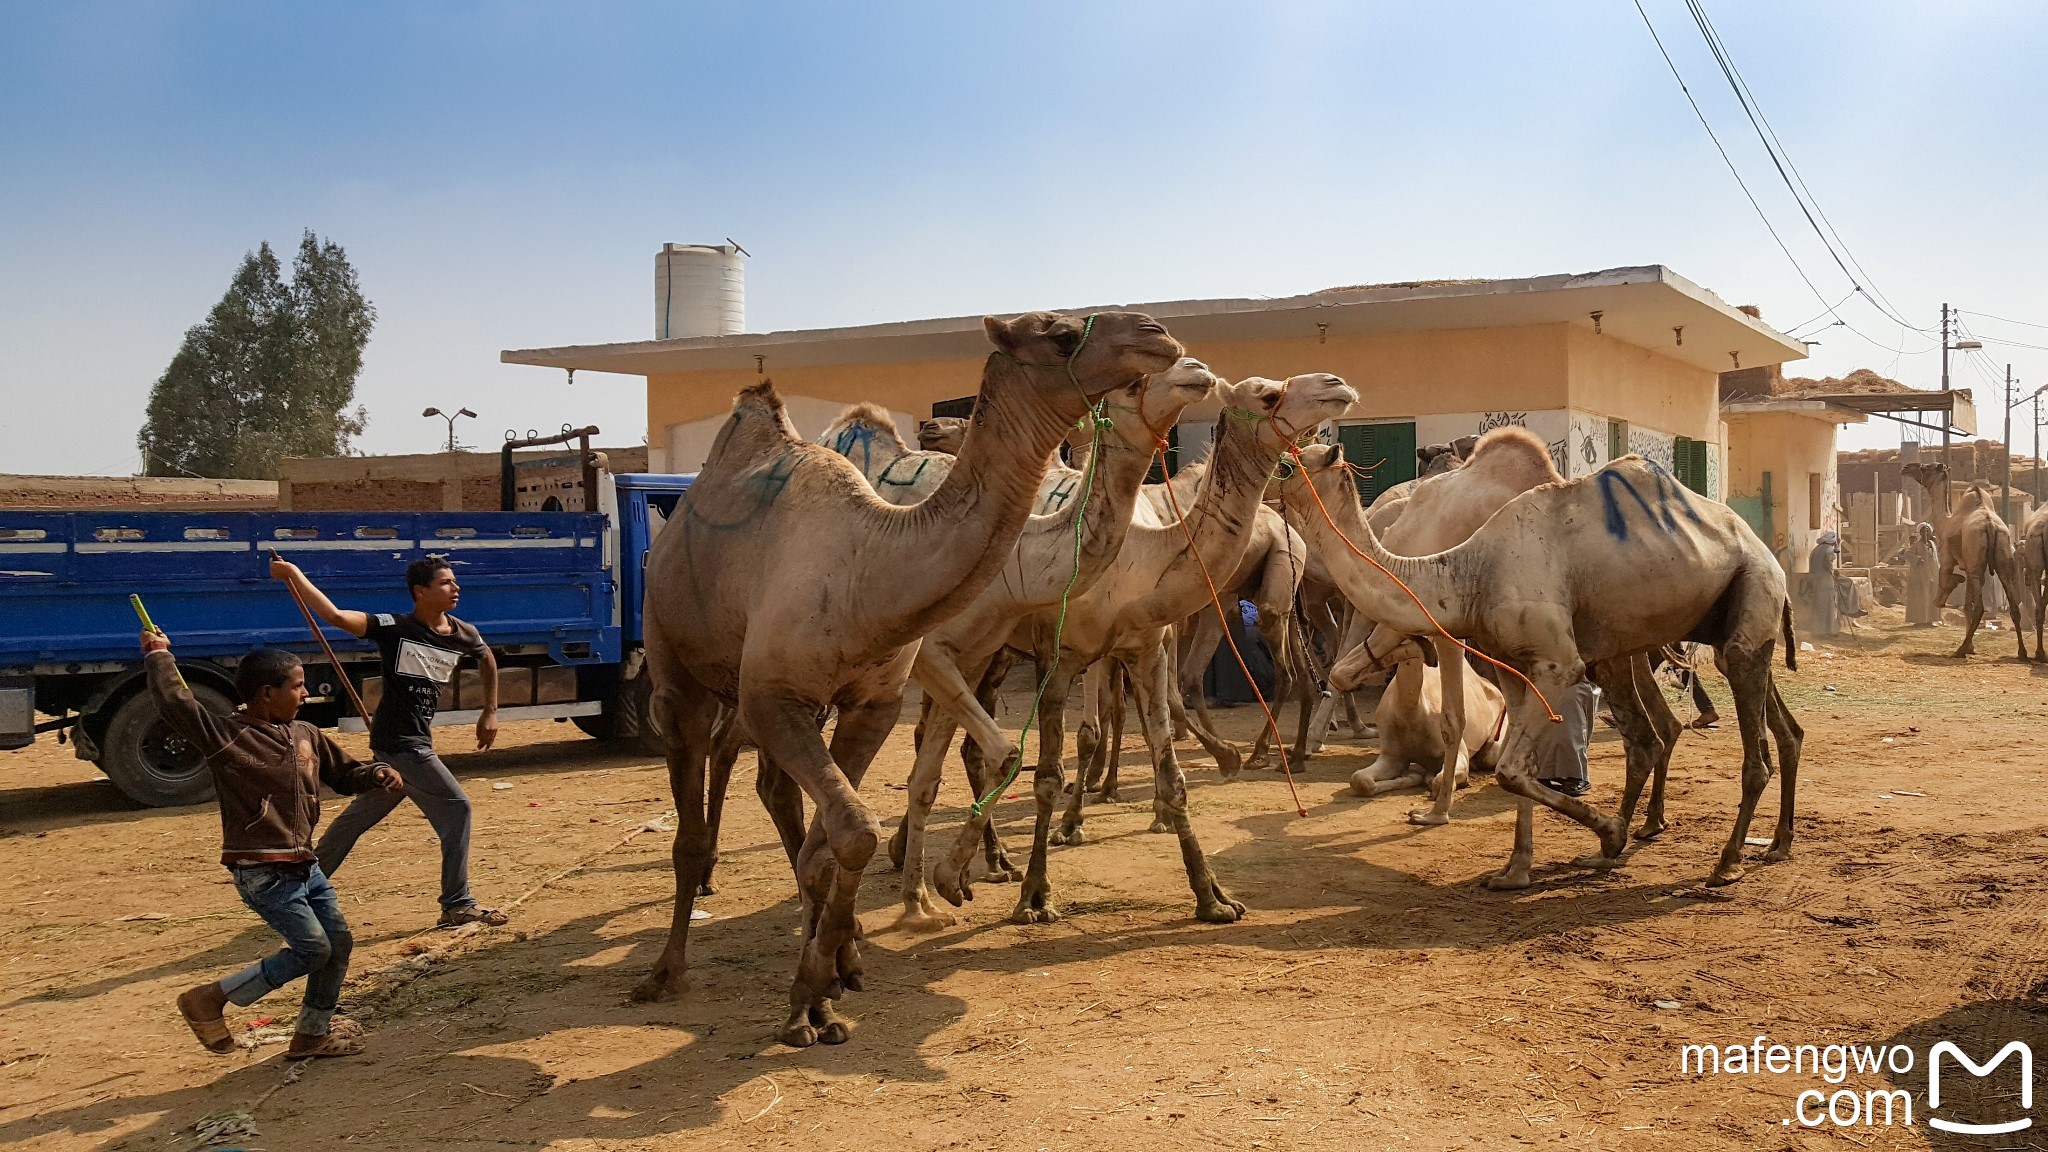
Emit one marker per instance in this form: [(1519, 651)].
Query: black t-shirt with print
[(417, 661)]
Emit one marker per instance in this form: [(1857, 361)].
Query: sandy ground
[(1374, 997)]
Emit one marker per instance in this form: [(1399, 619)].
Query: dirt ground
[(1375, 996)]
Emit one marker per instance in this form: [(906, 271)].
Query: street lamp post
[(1946, 348), (2005, 490), (451, 417)]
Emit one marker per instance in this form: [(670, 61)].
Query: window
[(1388, 450), (1689, 462), (1813, 509), (963, 407), (1617, 439)]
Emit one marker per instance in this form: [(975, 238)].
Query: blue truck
[(556, 594)]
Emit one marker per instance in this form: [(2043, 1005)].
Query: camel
[(1974, 543), (1584, 574), (1058, 555), (1412, 730), (1440, 512), (1157, 580), (942, 434), (784, 586), (901, 475), (2033, 565)]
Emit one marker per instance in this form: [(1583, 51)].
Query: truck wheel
[(152, 764), (625, 722)]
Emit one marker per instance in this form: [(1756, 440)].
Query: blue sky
[(502, 174)]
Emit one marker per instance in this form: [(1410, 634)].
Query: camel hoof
[(1723, 877), (1258, 763), (1613, 837), (953, 886), (1427, 817), (1506, 881), (1028, 914), (1220, 910), (1067, 836), (655, 989), (1159, 825), (1595, 860), (1777, 854), (798, 1035), (1109, 796), (1229, 763), (1650, 831), (1004, 873), (896, 843)]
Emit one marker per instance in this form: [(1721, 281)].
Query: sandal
[(213, 1033), (471, 914), (329, 1046)]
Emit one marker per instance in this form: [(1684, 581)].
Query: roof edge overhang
[(1649, 306)]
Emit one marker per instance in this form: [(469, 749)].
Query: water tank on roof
[(699, 290)]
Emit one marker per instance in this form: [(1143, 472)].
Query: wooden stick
[(340, 673)]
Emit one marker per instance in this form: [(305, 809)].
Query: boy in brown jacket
[(267, 770)]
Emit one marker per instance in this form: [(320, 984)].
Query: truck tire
[(625, 722), (150, 763)]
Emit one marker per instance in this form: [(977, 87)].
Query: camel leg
[(1034, 898), (779, 794), (898, 840), (1749, 679), (1649, 731), (1095, 686), (1308, 683), (974, 758), (725, 743), (1103, 684), (1516, 773), (2015, 595), (1973, 613), (1790, 736), (683, 712), (1091, 758), (919, 913), (836, 849), (1385, 774), (1153, 683), (1113, 754), (1451, 670)]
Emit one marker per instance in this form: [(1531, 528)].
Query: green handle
[(149, 625)]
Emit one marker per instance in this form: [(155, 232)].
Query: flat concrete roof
[(1640, 306), (1789, 406)]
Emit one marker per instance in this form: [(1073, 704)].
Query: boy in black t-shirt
[(419, 652)]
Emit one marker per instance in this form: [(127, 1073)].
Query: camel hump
[(1514, 447), (869, 415)]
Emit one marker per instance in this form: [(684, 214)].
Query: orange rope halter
[(1295, 452), (1216, 599)]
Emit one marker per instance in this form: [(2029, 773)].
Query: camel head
[(942, 434), (1102, 351), (1323, 467), (1146, 410), (1293, 407), (1928, 474)]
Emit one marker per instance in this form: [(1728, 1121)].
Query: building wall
[(1624, 382), (1793, 448)]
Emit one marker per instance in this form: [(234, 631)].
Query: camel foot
[(1067, 835), (832, 1028), (1109, 796), (1427, 817), (1780, 850), (920, 915), (1229, 763), (1651, 829), (1034, 905), (952, 884), (1965, 650), (1613, 837), (1258, 763), (1001, 871), (850, 972), (1160, 824), (1595, 860), (1213, 905), (1512, 881), (1724, 875), (896, 843), (657, 987), (798, 1032)]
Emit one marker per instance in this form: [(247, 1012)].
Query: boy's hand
[(154, 641), (282, 569), (486, 730), (388, 778)]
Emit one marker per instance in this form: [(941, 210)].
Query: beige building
[(1597, 365), (1781, 471)]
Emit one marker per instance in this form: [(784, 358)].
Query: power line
[(1782, 161), (2003, 319)]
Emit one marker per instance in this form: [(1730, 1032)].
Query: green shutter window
[(1689, 460), (1387, 449)]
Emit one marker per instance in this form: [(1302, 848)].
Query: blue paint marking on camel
[(856, 433), (1669, 493)]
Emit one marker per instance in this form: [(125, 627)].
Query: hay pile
[(1862, 382)]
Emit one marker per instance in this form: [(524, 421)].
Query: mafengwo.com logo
[(1966, 1088)]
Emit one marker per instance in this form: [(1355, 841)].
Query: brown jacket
[(266, 776)]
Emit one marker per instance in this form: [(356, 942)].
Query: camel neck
[(1226, 506), (1112, 496), (945, 549), (1378, 597)]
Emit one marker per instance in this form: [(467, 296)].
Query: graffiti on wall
[(1488, 421), (1588, 445), (1652, 446)]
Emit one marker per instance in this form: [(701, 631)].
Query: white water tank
[(699, 290)]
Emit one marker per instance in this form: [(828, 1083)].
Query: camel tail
[(1791, 646)]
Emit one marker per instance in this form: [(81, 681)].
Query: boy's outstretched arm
[(349, 621)]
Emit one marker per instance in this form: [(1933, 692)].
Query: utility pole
[(2005, 489), (2039, 497), (1948, 416)]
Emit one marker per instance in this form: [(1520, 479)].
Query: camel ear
[(1320, 456), (998, 332)]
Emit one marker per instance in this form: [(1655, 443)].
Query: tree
[(269, 373)]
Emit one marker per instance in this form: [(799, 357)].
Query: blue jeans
[(300, 905)]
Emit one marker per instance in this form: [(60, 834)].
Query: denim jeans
[(300, 905), (440, 798)]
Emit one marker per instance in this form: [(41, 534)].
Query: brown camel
[(1974, 543), (1157, 580), (784, 586), (1061, 554), (1587, 572), (942, 434), (2033, 565)]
